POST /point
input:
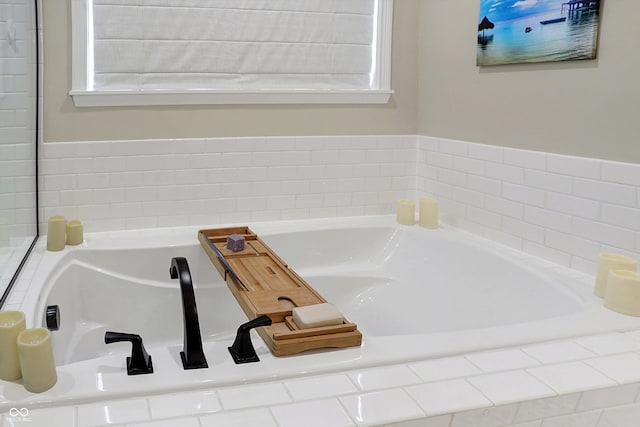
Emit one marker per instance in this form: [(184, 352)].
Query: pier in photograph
[(575, 6)]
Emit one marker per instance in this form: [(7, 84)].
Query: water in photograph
[(525, 39)]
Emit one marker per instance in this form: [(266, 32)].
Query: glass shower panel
[(18, 136)]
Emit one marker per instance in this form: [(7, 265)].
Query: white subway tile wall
[(562, 208), (142, 184), (17, 136)]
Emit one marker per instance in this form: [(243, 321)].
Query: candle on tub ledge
[(428, 212), (36, 360), (56, 233), (607, 262), (11, 324), (406, 214), (622, 293), (75, 235)]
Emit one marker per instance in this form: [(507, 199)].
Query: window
[(162, 52)]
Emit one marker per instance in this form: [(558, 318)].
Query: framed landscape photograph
[(518, 31)]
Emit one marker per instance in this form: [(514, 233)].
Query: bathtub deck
[(589, 377), (263, 284)]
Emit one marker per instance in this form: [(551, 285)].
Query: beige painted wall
[(64, 122), (584, 108)]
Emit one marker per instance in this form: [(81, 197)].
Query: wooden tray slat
[(220, 234), (298, 345), (278, 305), (294, 332)]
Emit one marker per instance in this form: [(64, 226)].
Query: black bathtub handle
[(242, 350), (140, 361)]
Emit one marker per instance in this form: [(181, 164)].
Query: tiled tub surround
[(120, 185), (17, 136), (401, 285), (519, 198), (455, 392), (561, 208), (584, 381), (17, 127)]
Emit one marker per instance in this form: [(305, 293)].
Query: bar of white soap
[(315, 316)]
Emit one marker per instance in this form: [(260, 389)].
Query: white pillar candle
[(75, 234), (11, 324), (428, 212), (607, 262), (57, 229), (622, 293), (36, 360), (406, 214)]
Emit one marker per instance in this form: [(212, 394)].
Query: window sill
[(217, 97)]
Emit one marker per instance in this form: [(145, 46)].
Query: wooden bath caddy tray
[(262, 283)]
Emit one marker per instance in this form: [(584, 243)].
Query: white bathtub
[(414, 293)]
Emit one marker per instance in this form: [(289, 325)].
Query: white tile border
[(315, 413), (449, 396), (320, 387), (571, 377), (383, 377)]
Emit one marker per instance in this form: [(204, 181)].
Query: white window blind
[(227, 46)]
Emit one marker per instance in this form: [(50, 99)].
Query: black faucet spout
[(192, 354)]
